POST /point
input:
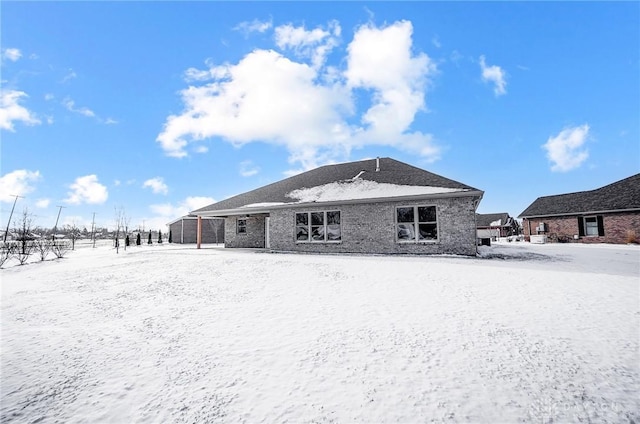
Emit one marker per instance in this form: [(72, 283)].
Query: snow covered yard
[(527, 333)]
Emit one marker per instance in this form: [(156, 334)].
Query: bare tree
[(126, 220), (117, 219), (73, 232), (24, 237)]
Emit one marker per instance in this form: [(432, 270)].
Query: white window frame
[(416, 224), (239, 226), (309, 227), (588, 227)]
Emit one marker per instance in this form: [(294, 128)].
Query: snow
[(263, 205), (496, 223), (169, 333), (362, 189)]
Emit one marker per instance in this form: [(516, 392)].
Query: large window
[(416, 223), (318, 226)]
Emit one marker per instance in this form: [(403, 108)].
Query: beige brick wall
[(370, 228), (617, 227), (253, 238)]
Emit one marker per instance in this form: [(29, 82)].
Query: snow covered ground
[(166, 333)]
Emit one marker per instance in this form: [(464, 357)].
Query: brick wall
[(253, 238), (212, 230), (617, 227), (370, 228)]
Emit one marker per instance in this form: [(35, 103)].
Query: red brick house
[(370, 206), (610, 214)]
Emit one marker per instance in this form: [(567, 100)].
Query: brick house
[(610, 214), (184, 230), (371, 206), (496, 225)]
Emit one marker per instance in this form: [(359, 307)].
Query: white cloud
[(11, 111), (17, 183), (436, 42), (309, 109), (49, 96), (87, 189), (110, 121), (43, 203), (565, 149), (248, 169), (71, 106), (157, 185), (11, 54), (253, 26), (494, 74), (315, 44), (166, 212), (70, 75)]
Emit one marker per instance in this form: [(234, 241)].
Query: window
[(591, 226), (242, 226), (416, 223), (318, 226)]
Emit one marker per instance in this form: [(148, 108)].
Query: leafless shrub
[(60, 248), (7, 251), (42, 247), (632, 238), (23, 252)]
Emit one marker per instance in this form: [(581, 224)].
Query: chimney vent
[(378, 164)]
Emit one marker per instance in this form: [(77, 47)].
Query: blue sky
[(158, 108)]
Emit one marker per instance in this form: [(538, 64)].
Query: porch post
[(199, 232)]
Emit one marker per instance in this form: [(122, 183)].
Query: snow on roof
[(362, 189), (263, 204), (495, 223)]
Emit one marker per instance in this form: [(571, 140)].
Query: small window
[(318, 226), (416, 223), (242, 226), (591, 226)]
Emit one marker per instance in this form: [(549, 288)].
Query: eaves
[(268, 209)]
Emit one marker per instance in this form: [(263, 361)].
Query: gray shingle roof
[(485, 219), (621, 195), (391, 172)]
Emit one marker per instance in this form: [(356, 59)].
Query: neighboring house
[(610, 214), (495, 225), (370, 206), (184, 230)]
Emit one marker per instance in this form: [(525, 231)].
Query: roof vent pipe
[(378, 164)]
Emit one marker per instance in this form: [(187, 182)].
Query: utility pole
[(93, 227), (56, 226), (10, 215)]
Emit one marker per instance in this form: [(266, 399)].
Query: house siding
[(618, 228), (212, 231), (370, 228)]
